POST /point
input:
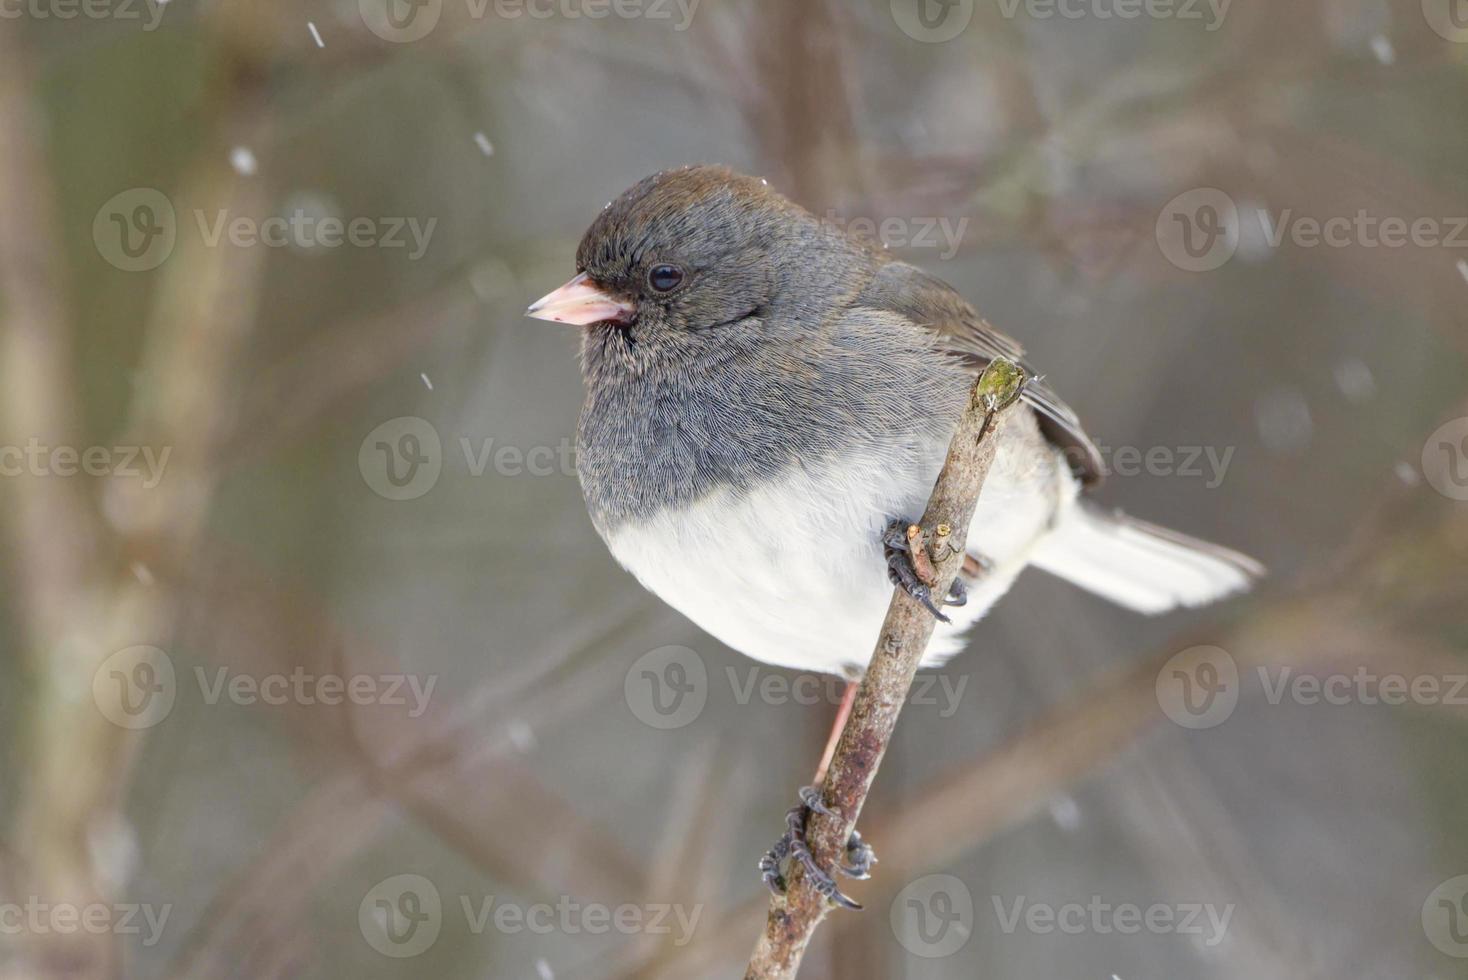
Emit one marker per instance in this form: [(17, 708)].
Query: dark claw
[(900, 570), (810, 798), (792, 845), (957, 594)]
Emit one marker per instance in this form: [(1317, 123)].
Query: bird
[(769, 400)]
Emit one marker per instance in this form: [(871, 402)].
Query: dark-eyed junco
[(765, 395)]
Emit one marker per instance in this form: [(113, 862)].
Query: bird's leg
[(859, 855), (792, 844), (904, 575)]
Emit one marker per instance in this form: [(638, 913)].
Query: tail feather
[(1142, 566)]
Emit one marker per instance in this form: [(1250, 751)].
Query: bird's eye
[(665, 278)]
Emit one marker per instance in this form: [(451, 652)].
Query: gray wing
[(928, 300)]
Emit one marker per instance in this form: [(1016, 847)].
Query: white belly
[(793, 574)]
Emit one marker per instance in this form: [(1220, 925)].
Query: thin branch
[(943, 531)]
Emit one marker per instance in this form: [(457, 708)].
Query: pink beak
[(580, 303)]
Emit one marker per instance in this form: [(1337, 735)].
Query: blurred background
[(313, 666)]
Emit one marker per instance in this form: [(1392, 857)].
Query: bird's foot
[(792, 845), (904, 574)]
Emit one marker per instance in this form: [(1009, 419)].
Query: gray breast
[(752, 408)]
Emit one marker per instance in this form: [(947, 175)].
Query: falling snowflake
[(485, 146), (522, 736), (1284, 420), (1355, 380), (243, 161), (315, 34), (1381, 46), (1065, 813)]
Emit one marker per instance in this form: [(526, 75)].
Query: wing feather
[(927, 300)]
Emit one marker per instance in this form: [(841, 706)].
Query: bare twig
[(905, 633)]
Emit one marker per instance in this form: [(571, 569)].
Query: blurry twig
[(54, 547), (75, 840), (794, 917)]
